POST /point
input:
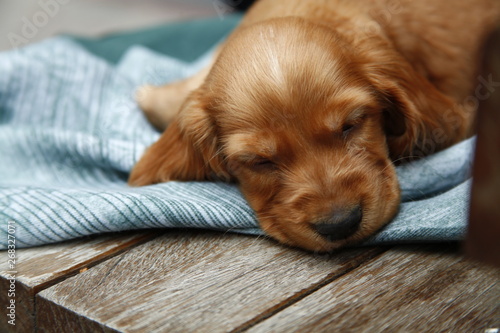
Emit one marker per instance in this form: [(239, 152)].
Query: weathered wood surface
[(404, 290), (213, 282), (40, 267), (191, 282)]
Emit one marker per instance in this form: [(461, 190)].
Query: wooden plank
[(483, 232), (404, 290), (59, 319), (40, 267), (188, 282)]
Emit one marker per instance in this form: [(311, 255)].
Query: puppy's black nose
[(341, 224)]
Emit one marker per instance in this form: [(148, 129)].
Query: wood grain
[(40, 267), (57, 319), (200, 281), (411, 290)]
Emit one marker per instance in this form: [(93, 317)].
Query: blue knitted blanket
[(70, 132)]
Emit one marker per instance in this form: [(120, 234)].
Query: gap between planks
[(360, 260), (191, 282), (426, 288), (39, 268)]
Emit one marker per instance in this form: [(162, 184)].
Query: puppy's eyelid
[(347, 128), (262, 164), (353, 121)]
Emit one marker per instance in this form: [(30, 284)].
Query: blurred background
[(26, 21)]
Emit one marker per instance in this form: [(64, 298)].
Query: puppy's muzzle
[(341, 224)]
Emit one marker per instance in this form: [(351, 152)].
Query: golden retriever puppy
[(309, 103)]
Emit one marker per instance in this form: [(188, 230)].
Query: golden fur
[(309, 103)]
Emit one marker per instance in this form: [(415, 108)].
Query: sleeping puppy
[(309, 104)]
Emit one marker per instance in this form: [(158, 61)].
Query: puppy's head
[(306, 124)]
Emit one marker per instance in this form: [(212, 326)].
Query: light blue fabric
[(70, 132)]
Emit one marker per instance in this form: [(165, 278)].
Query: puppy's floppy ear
[(418, 118), (187, 150)]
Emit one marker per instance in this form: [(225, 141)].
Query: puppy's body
[(308, 103)]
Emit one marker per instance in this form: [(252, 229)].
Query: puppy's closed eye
[(262, 164), (353, 123), (255, 163), (347, 128)]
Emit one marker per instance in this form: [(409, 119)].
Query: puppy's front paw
[(154, 105), (144, 97)]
